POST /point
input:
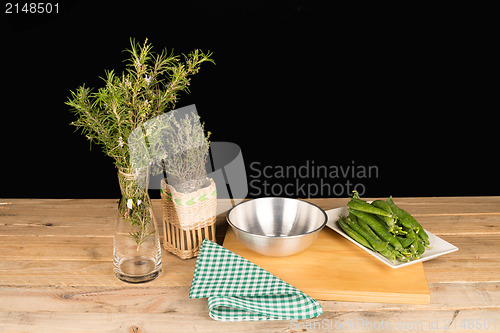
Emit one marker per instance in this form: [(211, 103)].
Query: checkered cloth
[(237, 289)]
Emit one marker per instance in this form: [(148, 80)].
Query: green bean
[(420, 232), (407, 218), (420, 249), (353, 234), (423, 236), (410, 233), (405, 241), (388, 253), (369, 235), (382, 205), (378, 228), (414, 248), (399, 214), (393, 254), (390, 221), (363, 206), (362, 223)]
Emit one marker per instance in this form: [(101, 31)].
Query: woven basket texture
[(188, 218)]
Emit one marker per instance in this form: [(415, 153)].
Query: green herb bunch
[(149, 87)]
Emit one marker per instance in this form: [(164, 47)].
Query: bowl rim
[(278, 237)]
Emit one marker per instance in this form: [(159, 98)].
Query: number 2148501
[(31, 8)]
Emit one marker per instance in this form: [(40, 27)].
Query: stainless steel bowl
[(276, 227)]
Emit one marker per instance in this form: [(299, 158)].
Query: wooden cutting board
[(335, 269)]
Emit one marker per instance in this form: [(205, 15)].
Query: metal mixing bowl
[(276, 227)]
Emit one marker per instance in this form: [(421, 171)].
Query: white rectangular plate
[(439, 246)]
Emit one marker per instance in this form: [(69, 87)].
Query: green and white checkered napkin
[(237, 289)]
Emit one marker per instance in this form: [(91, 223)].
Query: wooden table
[(56, 275)]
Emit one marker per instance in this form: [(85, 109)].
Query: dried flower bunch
[(186, 166)]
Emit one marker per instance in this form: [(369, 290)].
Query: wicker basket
[(188, 218)]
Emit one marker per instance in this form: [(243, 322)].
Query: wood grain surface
[(56, 275), (335, 269)]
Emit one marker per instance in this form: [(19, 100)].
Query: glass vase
[(136, 248)]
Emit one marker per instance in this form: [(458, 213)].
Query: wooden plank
[(120, 299), (71, 207), (66, 218), (160, 299), (477, 260), (449, 269), (60, 207), (77, 322), (474, 247), (481, 251), (364, 321), (56, 248), (401, 321), (100, 273), (73, 217), (61, 217), (74, 226), (473, 224), (102, 226), (422, 205), (87, 272), (135, 307)]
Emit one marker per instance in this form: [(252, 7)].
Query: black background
[(409, 90)]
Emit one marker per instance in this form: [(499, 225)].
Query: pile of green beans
[(385, 228)]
